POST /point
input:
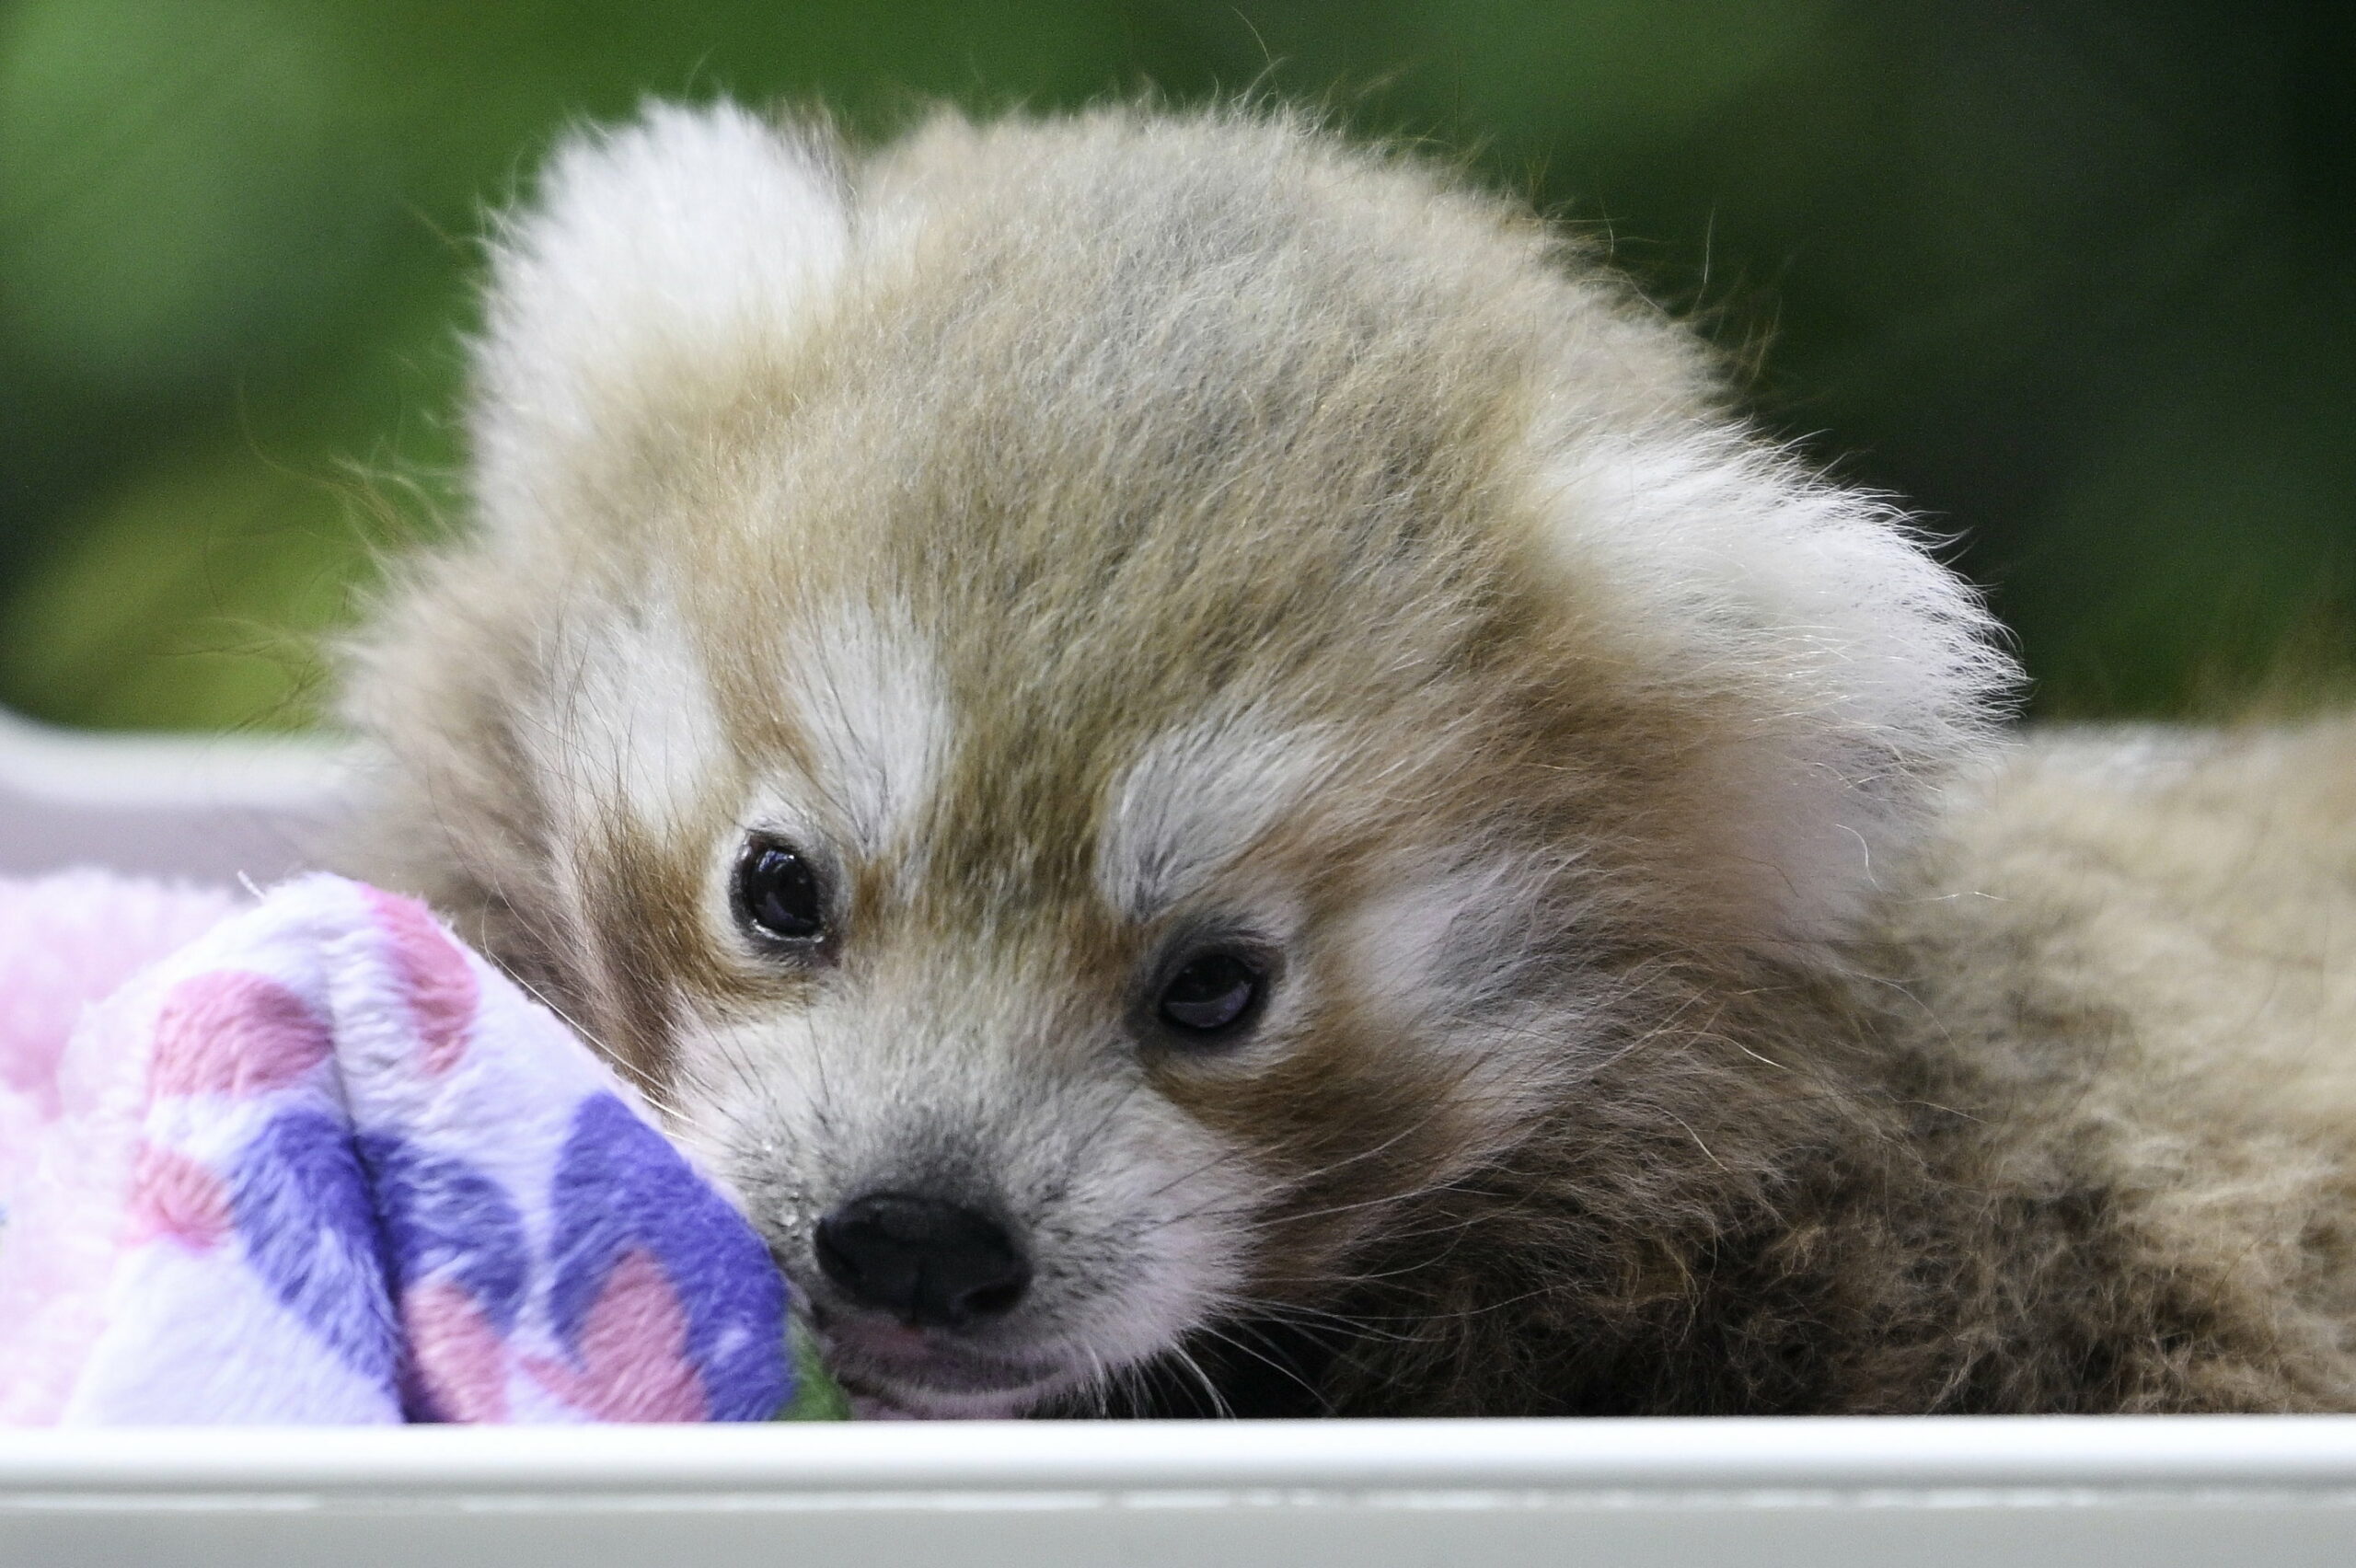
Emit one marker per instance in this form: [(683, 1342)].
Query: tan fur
[(1678, 1011)]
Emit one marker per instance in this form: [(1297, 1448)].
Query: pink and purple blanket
[(307, 1159)]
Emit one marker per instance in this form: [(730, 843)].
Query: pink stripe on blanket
[(457, 1358), (174, 1196), (633, 1351), (233, 1031), (441, 989)]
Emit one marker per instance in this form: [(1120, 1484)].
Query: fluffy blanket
[(309, 1159)]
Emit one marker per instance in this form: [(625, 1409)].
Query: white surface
[(207, 807), (2151, 1492), (138, 771)]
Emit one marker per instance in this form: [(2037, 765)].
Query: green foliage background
[(2072, 275)]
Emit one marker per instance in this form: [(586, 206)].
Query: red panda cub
[(1204, 767)]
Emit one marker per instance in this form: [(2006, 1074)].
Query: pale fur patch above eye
[(1196, 798), (874, 719), (629, 720)]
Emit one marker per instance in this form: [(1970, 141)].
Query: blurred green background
[(2076, 277)]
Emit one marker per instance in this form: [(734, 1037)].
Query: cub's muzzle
[(928, 1264)]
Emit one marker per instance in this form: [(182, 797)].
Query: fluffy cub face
[(1095, 707), (1033, 1044)]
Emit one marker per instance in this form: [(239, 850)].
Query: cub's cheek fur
[(1081, 538)]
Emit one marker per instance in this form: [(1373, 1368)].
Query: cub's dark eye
[(780, 899), (1215, 994)]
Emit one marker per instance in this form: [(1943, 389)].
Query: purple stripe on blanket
[(300, 1201), (621, 1191), (444, 1219)]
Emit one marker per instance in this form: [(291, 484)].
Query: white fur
[(1877, 663), (694, 236), (866, 699), (1197, 798), (1446, 942), (1444, 953), (628, 721)]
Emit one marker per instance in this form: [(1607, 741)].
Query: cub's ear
[(667, 249), (1860, 674)]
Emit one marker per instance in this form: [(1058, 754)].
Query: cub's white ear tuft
[(674, 246), (1867, 674)]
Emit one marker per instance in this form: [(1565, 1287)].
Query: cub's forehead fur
[(1066, 499)]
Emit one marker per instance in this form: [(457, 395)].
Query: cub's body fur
[(1082, 540), (2084, 1113)]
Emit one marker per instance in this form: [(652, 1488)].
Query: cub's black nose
[(925, 1262)]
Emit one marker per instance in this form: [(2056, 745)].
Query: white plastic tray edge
[(42, 762), (2032, 1492), (2203, 1453)]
